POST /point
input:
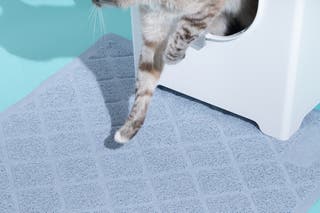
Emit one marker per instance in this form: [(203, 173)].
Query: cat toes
[(172, 59)]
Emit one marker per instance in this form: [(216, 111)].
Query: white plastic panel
[(258, 74)]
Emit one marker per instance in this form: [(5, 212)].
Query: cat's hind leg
[(155, 30)]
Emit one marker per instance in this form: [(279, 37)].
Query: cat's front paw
[(173, 58)]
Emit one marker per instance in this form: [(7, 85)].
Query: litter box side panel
[(248, 75), (307, 85)]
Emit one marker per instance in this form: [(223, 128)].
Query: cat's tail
[(146, 83)]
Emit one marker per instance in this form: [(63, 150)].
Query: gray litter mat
[(57, 153)]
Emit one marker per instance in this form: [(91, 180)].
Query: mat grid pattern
[(57, 153)]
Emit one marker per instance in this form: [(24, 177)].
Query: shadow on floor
[(111, 62)]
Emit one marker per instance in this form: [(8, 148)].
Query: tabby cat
[(168, 28)]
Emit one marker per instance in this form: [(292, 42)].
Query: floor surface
[(58, 154)]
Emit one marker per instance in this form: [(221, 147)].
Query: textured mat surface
[(57, 152)]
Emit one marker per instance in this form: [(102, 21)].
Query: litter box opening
[(237, 29)]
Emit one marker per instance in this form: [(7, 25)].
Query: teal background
[(39, 37), (315, 208)]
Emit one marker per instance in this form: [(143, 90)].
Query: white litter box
[(269, 73)]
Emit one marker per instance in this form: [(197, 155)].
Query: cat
[(168, 29)]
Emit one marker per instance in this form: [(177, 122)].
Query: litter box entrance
[(236, 23)]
